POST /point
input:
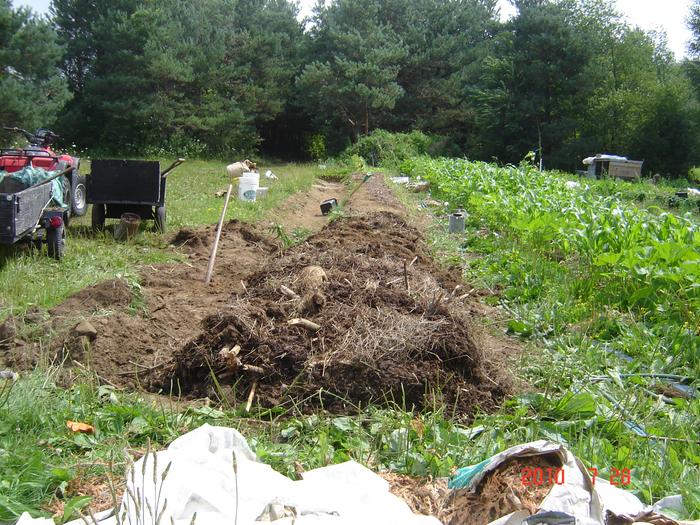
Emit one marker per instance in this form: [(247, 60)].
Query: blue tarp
[(30, 176), (464, 476)]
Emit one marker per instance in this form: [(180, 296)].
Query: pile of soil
[(136, 331), (392, 328), (110, 294), (193, 240)]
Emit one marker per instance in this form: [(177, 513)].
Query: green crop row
[(642, 261), (606, 296)]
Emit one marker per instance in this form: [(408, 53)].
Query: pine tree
[(32, 92)]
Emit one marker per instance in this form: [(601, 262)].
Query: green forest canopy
[(568, 78)]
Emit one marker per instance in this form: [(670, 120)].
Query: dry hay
[(500, 493), (378, 340), (422, 495)]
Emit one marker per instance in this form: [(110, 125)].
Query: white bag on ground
[(201, 480)]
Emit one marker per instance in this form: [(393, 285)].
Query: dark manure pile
[(357, 314)]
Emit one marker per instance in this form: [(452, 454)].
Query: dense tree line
[(565, 78)]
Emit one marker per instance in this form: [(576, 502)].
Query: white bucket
[(248, 186)]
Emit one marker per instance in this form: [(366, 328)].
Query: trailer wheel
[(78, 202), (98, 217), (56, 242), (159, 218)]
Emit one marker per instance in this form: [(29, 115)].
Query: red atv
[(39, 155)]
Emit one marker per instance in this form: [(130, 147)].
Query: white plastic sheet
[(201, 479)]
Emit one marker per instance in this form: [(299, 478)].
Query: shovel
[(359, 185), (215, 247), (164, 174)]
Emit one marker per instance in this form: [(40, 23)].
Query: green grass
[(30, 279), (40, 456), (191, 199)]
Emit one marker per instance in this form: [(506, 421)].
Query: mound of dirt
[(357, 314), (193, 240), (136, 336), (8, 331), (113, 293), (199, 242)]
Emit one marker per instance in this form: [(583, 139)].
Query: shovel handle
[(367, 177), (170, 168)]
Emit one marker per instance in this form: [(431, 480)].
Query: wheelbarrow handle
[(170, 168)]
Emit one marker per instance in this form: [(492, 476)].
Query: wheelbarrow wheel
[(159, 218), (56, 242), (98, 217)]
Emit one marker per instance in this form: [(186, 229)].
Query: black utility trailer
[(26, 215), (115, 187)]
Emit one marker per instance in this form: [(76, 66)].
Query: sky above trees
[(648, 14)]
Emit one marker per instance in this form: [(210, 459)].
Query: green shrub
[(383, 148), (178, 144), (694, 175), (316, 146)]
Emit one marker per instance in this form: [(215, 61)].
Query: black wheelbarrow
[(115, 187)]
